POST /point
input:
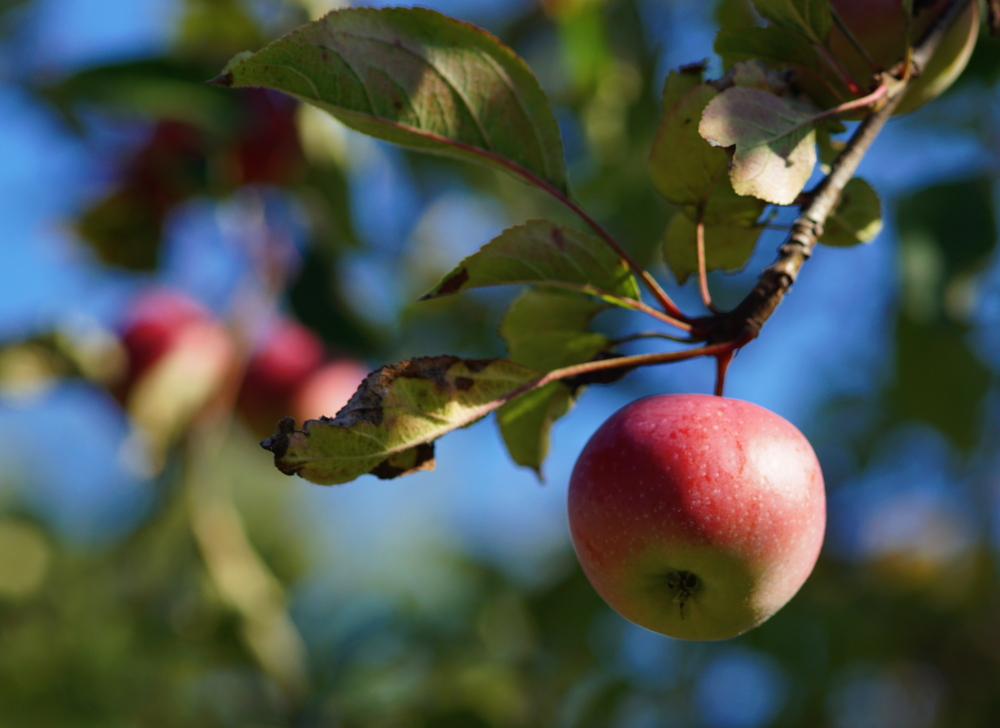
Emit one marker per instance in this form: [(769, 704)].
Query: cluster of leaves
[(725, 151)]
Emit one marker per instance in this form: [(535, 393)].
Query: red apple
[(697, 516), (880, 27), (154, 322), (327, 389), (288, 353), (179, 357)]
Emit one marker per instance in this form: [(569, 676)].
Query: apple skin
[(180, 357), (327, 390), (880, 26), (697, 516), (287, 354), (157, 319)]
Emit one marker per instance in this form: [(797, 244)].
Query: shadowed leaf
[(679, 82), (938, 380), (389, 426), (727, 247), (689, 171), (774, 45), (545, 330), (525, 423), (418, 78), (857, 217), (812, 18), (540, 251)]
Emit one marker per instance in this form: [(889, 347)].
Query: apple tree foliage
[(727, 154), (147, 629)]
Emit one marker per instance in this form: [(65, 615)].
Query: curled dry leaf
[(389, 426)]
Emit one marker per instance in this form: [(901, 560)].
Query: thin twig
[(622, 362), (651, 335)]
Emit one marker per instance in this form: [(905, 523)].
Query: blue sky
[(825, 341)]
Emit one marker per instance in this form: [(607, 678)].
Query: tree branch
[(744, 322)]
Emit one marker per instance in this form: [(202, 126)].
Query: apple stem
[(722, 362), (706, 295)]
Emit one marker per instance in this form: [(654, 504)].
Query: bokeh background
[(165, 574)]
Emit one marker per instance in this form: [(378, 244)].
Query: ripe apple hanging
[(697, 516)]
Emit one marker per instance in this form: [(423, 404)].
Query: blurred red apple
[(178, 358), (287, 354), (697, 516), (327, 389)]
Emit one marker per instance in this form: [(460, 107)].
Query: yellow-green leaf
[(545, 330), (540, 251)]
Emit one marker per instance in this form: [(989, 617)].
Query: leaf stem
[(866, 100), (706, 295), (650, 283), (651, 335), (617, 363), (623, 301), (533, 179)]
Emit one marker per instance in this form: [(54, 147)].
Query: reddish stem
[(721, 367), (706, 295)]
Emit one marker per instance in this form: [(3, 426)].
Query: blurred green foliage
[(147, 631)]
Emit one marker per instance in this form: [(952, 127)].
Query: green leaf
[(545, 330), (829, 148), (810, 17), (420, 79), (734, 14), (525, 423), (153, 88), (389, 426), (957, 217), (775, 142), (939, 381), (775, 45), (689, 171), (540, 251), (679, 82), (727, 247), (857, 217)]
